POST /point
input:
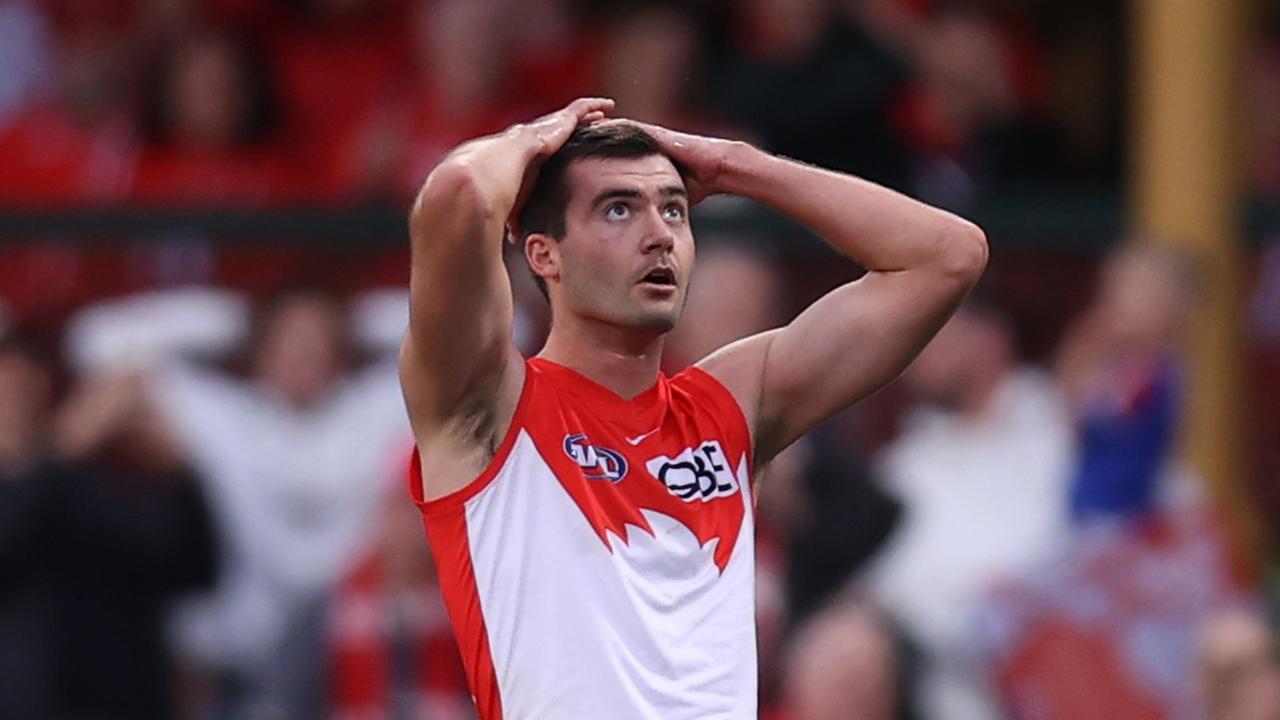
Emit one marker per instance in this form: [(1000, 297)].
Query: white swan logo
[(667, 549)]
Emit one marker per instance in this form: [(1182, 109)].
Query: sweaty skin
[(625, 218)]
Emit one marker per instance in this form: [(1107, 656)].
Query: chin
[(662, 323), (662, 319)]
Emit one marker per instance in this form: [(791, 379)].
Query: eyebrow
[(614, 193)]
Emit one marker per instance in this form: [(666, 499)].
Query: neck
[(625, 360)]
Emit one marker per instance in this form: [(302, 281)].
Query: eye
[(673, 212), (617, 211)]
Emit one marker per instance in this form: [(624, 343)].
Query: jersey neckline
[(637, 414)]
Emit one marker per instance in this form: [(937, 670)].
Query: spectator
[(100, 530), (843, 519), (820, 522), (651, 65), (293, 459), (211, 117), (1239, 675), (1150, 566), (844, 666), (338, 60), (555, 52), (26, 656), (812, 87), (25, 63), (1120, 370), (1107, 628), (393, 653), (458, 88), (971, 114), (78, 144), (980, 467)]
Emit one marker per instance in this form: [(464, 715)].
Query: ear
[(543, 254)]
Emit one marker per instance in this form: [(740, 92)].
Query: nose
[(657, 233)]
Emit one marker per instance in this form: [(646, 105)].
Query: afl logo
[(597, 462)]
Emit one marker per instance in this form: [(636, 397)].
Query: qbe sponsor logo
[(697, 473)]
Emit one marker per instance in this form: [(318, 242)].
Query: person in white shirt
[(981, 466), (295, 457)]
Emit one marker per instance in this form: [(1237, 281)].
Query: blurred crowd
[(258, 103), (203, 516), (202, 447), (200, 102)]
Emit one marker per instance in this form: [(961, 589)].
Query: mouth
[(660, 277)]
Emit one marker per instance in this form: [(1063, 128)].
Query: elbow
[(964, 252), (452, 190)]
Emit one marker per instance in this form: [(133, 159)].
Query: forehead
[(590, 176)]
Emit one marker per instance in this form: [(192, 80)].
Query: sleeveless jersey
[(602, 566)]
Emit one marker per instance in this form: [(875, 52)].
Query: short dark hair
[(544, 210)]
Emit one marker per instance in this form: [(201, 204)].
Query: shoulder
[(702, 393), (738, 369), (707, 389)]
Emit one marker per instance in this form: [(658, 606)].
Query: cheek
[(600, 249), (588, 271), (686, 250)]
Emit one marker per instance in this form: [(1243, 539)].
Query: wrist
[(524, 141), (742, 165)]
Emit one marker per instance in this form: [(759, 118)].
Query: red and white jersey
[(602, 565)]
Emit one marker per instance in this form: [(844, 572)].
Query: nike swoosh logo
[(640, 438)]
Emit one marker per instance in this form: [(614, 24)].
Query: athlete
[(592, 518)]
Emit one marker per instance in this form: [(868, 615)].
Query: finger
[(657, 131), (552, 130), (567, 116), (587, 104), (582, 107)]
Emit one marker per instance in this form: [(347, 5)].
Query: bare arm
[(460, 372), (920, 263)]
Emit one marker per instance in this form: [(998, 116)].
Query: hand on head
[(552, 130), (702, 158), (548, 134)]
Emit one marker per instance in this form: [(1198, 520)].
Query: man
[(1120, 368), (103, 526), (591, 517), (1238, 673), (980, 468), (291, 458)]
